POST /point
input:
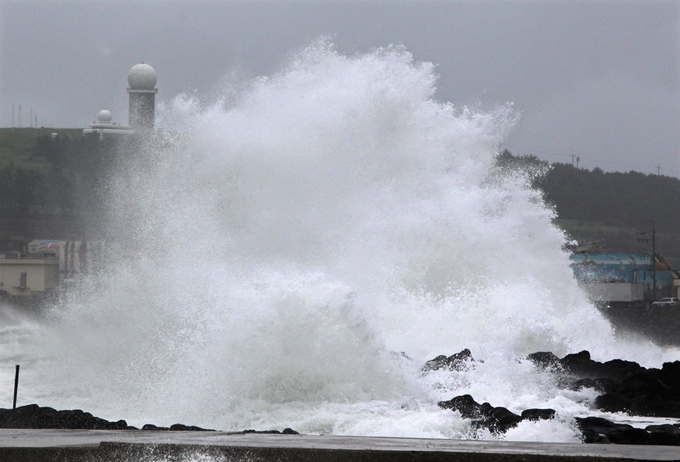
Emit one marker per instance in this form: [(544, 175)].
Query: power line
[(597, 161)]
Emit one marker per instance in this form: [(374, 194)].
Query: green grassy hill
[(16, 146), (608, 209)]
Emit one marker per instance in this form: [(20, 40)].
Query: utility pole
[(658, 169), (572, 158), (653, 261), (642, 238)]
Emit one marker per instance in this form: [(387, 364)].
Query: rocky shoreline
[(623, 386), (37, 417)]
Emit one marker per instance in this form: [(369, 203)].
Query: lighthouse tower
[(142, 80)]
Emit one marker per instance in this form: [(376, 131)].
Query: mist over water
[(293, 238)]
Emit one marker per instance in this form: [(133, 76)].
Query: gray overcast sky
[(599, 79)]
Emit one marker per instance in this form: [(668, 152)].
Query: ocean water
[(298, 247)]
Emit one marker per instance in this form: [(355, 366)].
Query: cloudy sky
[(598, 79)]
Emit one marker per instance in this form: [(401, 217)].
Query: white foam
[(292, 238)]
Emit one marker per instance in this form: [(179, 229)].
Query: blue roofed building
[(624, 277)]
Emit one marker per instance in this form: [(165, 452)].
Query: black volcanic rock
[(599, 430), (611, 403), (495, 419), (455, 362), (36, 417), (465, 404), (580, 364), (593, 429), (187, 428), (175, 428), (545, 360), (501, 419), (600, 385), (625, 386), (286, 431), (538, 414), (666, 435)]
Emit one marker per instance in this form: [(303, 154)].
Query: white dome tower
[(142, 80), (104, 117), (105, 126)]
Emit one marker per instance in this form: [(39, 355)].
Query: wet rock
[(601, 385), (154, 428), (545, 360), (618, 369), (188, 428), (286, 431), (501, 420), (175, 428), (465, 404), (455, 362), (495, 419), (581, 365), (611, 403), (625, 386), (599, 430), (654, 406), (666, 435), (538, 414), (36, 417), (647, 392)]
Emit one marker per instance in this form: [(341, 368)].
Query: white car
[(669, 301)]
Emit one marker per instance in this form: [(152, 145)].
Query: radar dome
[(142, 77), (104, 117)]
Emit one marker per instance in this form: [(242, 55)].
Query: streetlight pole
[(653, 261)]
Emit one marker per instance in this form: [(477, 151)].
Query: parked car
[(668, 301)]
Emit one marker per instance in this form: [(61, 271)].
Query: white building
[(21, 277), (142, 105)]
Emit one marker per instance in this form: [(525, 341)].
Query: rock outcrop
[(495, 419), (623, 386), (37, 417)]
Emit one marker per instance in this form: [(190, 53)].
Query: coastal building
[(142, 91), (624, 277), (104, 126), (48, 265), (24, 275), (44, 247)]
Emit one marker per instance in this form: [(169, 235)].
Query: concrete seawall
[(140, 446)]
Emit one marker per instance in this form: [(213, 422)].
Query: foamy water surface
[(293, 239)]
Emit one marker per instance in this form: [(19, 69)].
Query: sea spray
[(295, 252)]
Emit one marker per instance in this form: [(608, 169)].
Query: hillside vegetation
[(53, 187), (606, 210), (17, 146)]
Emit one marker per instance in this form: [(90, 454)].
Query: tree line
[(607, 210), (629, 199)]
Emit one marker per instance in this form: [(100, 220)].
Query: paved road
[(17, 442)]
